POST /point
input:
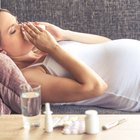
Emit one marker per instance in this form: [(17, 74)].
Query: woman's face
[(12, 40)]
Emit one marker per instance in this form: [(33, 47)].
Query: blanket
[(10, 79)]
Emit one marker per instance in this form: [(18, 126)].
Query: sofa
[(111, 18)]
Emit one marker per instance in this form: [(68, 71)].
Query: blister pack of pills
[(63, 121), (70, 124), (75, 128)]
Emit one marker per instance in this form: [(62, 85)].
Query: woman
[(74, 67)]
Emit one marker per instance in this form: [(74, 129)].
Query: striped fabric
[(10, 80)]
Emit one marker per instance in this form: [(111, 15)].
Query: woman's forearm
[(84, 37), (61, 34)]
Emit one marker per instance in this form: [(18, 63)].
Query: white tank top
[(116, 62)]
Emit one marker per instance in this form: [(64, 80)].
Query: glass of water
[(31, 104)]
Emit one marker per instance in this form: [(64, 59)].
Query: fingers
[(30, 29), (28, 37), (33, 33), (30, 32), (40, 24)]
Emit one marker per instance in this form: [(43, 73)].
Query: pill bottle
[(91, 122)]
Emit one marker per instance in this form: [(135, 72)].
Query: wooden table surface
[(11, 128)]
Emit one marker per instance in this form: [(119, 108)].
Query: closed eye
[(12, 29)]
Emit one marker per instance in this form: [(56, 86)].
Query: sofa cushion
[(112, 18)]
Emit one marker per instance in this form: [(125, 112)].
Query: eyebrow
[(11, 26)]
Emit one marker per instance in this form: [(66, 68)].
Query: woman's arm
[(87, 83), (84, 37), (61, 34), (60, 89)]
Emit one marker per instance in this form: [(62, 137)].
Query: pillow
[(10, 79)]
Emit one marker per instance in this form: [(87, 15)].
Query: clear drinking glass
[(31, 104)]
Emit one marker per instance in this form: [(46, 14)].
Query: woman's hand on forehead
[(31, 30), (41, 38), (32, 27)]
